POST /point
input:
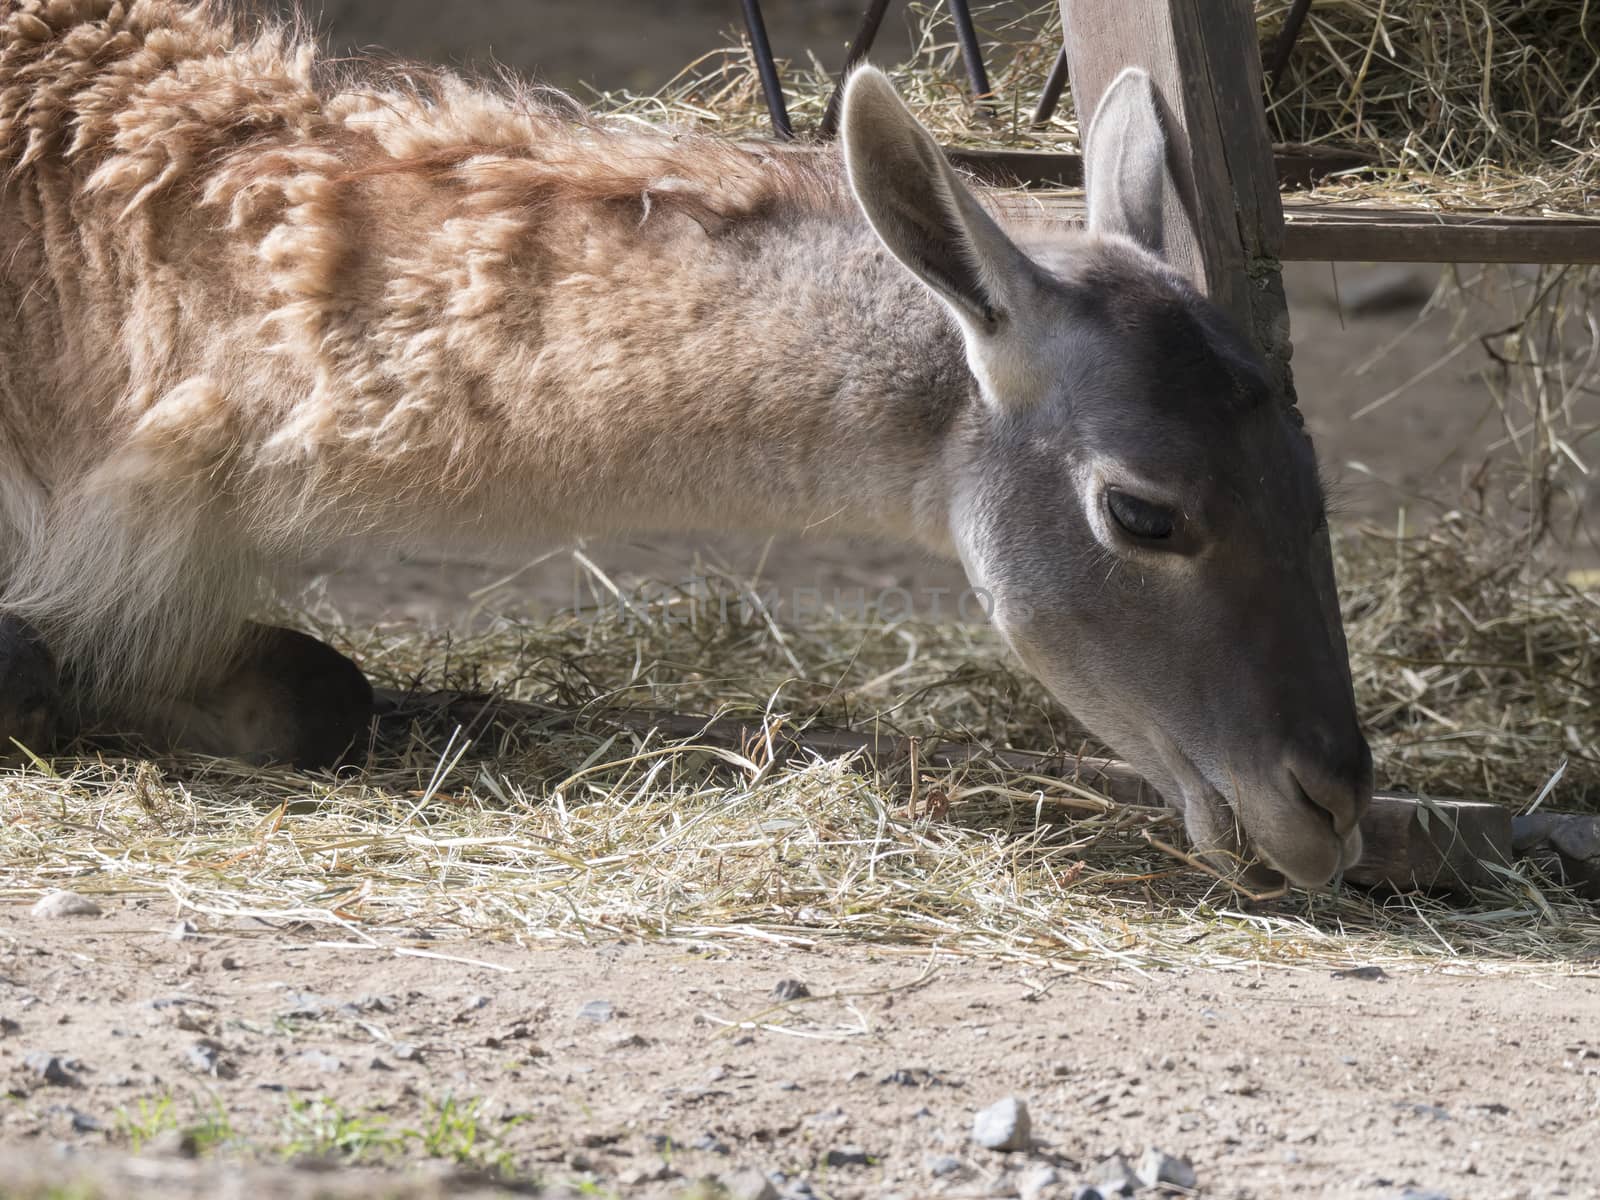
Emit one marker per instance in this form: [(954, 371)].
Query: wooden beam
[(1412, 843), (1296, 166), (1417, 844), (1204, 58), (1328, 233)]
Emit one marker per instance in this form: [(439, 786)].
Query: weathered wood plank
[(1327, 233), (1296, 166), (1226, 220), (1431, 845), (1411, 843)]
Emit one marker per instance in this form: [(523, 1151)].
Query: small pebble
[(710, 1143), (84, 1123), (1423, 1194), (1004, 1125), (407, 1052), (183, 931), (1157, 1168), (8, 1027), (598, 1011), (205, 1056), (1039, 1183), (790, 989), (49, 1068), (229, 963), (322, 1062), (65, 904), (942, 1165), (634, 1176), (846, 1156), (748, 1185), (1115, 1176), (377, 1064)]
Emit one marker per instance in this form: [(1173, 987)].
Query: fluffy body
[(255, 312)]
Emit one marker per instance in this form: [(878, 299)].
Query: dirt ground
[(641, 1069)]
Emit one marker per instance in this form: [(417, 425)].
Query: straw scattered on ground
[(563, 824)]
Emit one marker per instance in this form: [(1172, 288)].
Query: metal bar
[(971, 52), (860, 45), (1053, 87), (1284, 46), (771, 86)]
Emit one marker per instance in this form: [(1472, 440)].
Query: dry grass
[(1461, 103), (571, 826)]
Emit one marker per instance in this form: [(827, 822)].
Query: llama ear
[(928, 220), (1125, 161)]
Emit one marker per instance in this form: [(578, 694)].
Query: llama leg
[(30, 697), (287, 698)]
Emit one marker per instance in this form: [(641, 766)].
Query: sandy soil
[(643, 1068)]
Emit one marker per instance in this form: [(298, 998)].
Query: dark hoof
[(30, 699), (288, 698), (330, 697)]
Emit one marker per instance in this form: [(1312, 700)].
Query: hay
[(1461, 103), (572, 826)]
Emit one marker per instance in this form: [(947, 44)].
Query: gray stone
[(1039, 1183), (47, 1068), (322, 1062), (942, 1165), (1157, 1167), (65, 904), (598, 1011), (205, 1056), (748, 1185), (1115, 1176), (1004, 1125), (790, 989), (1423, 1194), (635, 1176), (184, 931), (846, 1156)]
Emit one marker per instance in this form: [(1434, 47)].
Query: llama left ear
[(925, 216), (1125, 162)]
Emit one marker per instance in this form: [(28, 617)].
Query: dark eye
[(1140, 518)]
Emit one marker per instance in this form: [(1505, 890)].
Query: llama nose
[(1336, 776)]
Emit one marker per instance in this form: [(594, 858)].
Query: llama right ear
[(1125, 162), (928, 220)]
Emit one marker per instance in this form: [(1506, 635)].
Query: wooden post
[(1227, 222)]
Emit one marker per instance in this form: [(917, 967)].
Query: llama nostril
[(1343, 792)]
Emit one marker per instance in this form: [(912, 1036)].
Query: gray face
[(1145, 513), (1153, 532)]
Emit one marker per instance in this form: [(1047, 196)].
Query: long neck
[(788, 375)]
